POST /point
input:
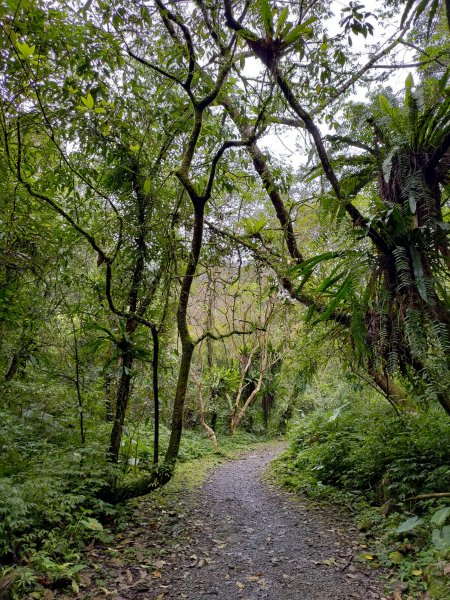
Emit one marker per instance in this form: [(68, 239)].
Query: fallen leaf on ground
[(159, 564), (327, 561), (85, 580), (105, 591)]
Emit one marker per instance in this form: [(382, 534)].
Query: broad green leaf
[(25, 49), (294, 35), (330, 280), (384, 105), (88, 101), (300, 30), (96, 327), (443, 225), (419, 274), (254, 226), (304, 280), (306, 265), (147, 186), (266, 15), (340, 294), (409, 525), (282, 19), (246, 34), (440, 516), (409, 82), (441, 538)]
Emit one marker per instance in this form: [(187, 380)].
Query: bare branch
[(222, 336)]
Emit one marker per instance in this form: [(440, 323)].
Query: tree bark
[(13, 367), (78, 388), (393, 392), (123, 394), (187, 345), (155, 381)]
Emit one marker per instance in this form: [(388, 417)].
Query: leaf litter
[(235, 538)]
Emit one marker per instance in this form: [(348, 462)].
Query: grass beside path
[(197, 457)]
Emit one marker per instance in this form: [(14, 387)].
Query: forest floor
[(235, 537)]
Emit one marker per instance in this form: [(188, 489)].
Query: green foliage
[(50, 504), (356, 451), (94, 236), (365, 446), (194, 445)]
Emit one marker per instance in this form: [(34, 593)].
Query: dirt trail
[(240, 539)]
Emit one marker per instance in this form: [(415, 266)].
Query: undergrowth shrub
[(49, 502), (368, 447), (137, 452), (380, 465)]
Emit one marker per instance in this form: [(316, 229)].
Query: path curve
[(236, 538), (256, 542)]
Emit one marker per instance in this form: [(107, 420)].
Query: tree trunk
[(178, 407), (13, 367), (123, 394), (266, 403), (79, 395), (393, 392), (109, 410), (187, 344), (155, 362), (214, 416), (444, 401)]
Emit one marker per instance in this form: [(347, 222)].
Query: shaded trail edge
[(237, 538)]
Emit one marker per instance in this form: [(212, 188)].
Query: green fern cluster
[(395, 295)]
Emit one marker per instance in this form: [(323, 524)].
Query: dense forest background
[(229, 218)]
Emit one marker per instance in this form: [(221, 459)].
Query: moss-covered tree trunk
[(187, 344), (123, 394)]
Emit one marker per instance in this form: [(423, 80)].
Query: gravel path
[(239, 538), (261, 544)]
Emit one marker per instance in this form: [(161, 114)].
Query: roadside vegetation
[(389, 470), (52, 510), (209, 213)]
